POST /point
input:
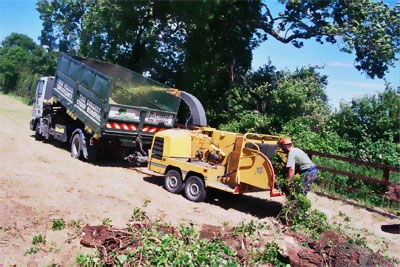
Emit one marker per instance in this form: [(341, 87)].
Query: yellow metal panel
[(233, 165), (225, 141), (210, 173), (156, 166), (255, 169), (177, 143)]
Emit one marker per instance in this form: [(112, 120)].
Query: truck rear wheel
[(76, 146), (195, 189), (173, 181)]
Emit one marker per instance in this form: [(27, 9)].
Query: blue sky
[(345, 82)]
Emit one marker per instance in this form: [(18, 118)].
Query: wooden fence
[(386, 169)]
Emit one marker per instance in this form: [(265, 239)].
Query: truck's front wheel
[(38, 136), (194, 189), (76, 146), (173, 181)]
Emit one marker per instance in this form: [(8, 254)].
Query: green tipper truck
[(103, 107)]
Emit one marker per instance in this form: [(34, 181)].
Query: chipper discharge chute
[(193, 160)]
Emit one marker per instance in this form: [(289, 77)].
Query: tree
[(271, 99), (371, 124), (369, 28), (20, 60), (206, 47)]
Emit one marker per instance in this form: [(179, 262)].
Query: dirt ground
[(40, 182)]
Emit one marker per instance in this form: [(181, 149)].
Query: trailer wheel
[(76, 147), (173, 182), (194, 189), (38, 136)]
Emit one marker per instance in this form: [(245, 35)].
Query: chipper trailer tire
[(173, 181)]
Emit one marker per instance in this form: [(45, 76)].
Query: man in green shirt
[(308, 169)]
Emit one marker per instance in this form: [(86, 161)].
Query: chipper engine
[(193, 160)]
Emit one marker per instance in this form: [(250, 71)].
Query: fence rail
[(386, 169)]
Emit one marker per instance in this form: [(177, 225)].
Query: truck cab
[(44, 92)]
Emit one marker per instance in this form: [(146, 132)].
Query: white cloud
[(338, 64), (365, 85)]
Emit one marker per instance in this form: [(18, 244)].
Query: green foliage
[(269, 99), (205, 47), (297, 211), (85, 260), (370, 123), (22, 62), (298, 214), (368, 28), (361, 241), (183, 247), (38, 239), (32, 250), (246, 229), (58, 224), (106, 222), (269, 255)]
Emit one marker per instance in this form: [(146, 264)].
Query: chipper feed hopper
[(193, 160)]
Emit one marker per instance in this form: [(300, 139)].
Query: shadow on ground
[(257, 207), (103, 160), (260, 208)]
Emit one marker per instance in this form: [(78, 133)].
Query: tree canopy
[(206, 47), (20, 60)]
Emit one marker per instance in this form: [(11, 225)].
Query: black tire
[(173, 182), (194, 189), (76, 146), (38, 136)]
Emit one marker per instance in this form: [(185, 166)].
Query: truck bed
[(110, 99)]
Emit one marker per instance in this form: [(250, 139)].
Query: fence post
[(386, 176)]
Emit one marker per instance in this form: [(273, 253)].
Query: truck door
[(38, 100), (44, 90)]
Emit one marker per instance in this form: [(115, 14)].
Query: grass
[(24, 99)]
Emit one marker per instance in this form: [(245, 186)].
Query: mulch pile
[(331, 249)]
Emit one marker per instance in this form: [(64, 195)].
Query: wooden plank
[(375, 165), (358, 176)]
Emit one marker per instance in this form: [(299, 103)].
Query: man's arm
[(291, 173)]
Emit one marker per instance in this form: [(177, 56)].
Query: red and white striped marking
[(121, 126), (151, 129), (131, 127)]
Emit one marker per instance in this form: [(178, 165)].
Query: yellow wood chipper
[(193, 160)]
